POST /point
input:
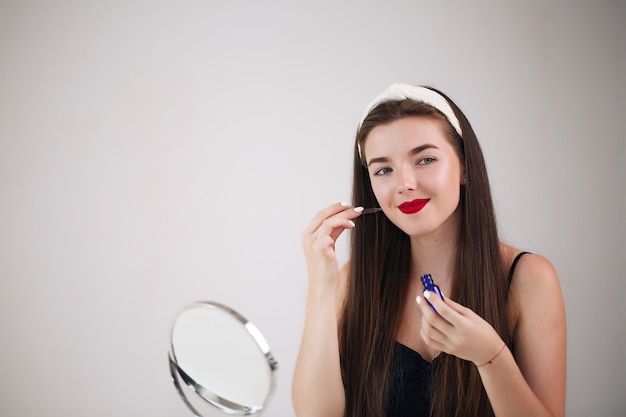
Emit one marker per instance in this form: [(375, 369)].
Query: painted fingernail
[(352, 223), (344, 204), (418, 299), (427, 294), (358, 209)]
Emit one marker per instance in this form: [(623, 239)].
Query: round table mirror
[(220, 362)]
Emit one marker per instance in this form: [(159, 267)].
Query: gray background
[(156, 153)]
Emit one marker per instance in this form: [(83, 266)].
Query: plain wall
[(156, 153)]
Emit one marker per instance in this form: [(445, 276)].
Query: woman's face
[(416, 174)]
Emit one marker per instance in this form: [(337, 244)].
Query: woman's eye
[(427, 160), (382, 171)]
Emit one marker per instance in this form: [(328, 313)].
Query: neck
[(435, 255)]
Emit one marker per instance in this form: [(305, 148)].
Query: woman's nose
[(407, 180)]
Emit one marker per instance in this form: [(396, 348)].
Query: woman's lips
[(410, 207)]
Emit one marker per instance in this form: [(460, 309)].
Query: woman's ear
[(464, 176)]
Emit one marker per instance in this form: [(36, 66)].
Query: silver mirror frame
[(222, 404)]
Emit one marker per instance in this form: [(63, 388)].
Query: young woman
[(375, 343)]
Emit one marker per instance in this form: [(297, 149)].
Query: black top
[(411, 377), (410, 384)]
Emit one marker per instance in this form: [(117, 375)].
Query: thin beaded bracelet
[(492, 359)]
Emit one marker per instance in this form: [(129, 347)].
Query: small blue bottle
[(429, 285)]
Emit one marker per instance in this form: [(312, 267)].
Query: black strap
[(513, 265)]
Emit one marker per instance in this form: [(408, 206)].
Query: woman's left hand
[(457, 330)]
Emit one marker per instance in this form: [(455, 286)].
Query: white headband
[(397, 92)]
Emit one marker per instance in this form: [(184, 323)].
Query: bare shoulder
[(535, 288), (533, 275)]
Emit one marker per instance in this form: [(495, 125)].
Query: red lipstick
[(410, 207)]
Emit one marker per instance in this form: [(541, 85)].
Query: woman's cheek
[(382, 193)]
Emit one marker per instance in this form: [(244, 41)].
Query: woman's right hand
[(317, 388), (318, 241)]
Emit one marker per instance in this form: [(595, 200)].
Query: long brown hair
[(379, 277)]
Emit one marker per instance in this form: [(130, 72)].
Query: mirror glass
[(220, 361)]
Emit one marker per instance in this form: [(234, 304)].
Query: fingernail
[(358, 209), (344, 204), (427, 294), (352, 223), (418, 299)]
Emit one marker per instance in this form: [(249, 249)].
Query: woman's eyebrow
[(422, 148), (375, 160), (412, 152)]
